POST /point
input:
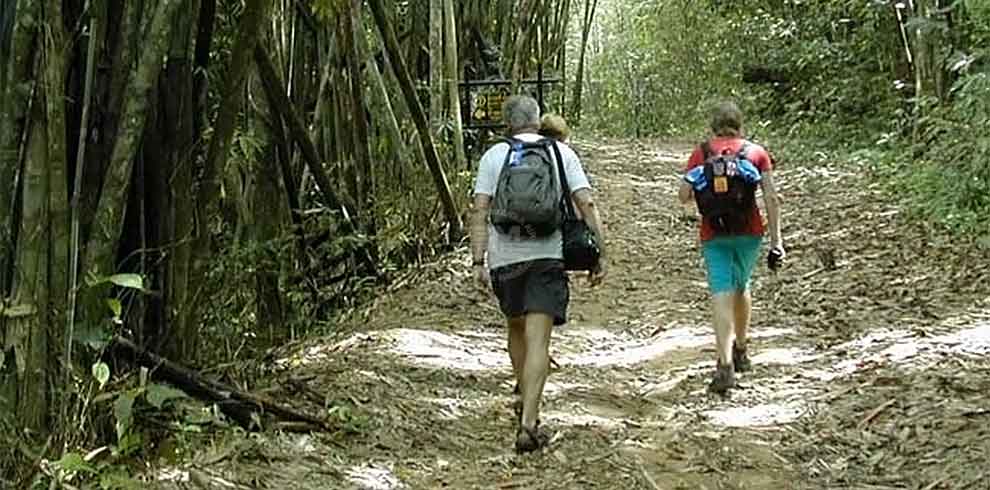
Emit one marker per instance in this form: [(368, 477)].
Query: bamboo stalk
[(387, 32), (70, 317)]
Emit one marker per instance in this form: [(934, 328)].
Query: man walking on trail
[(516, 245), (722, 176)]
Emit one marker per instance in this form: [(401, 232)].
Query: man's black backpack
[(528, 195), (728, 199)]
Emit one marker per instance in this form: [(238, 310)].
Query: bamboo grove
[(145, 142)]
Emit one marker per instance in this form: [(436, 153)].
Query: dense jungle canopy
[(192, 191)]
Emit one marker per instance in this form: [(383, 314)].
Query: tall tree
[(387, 32), (452, 72), (99, 258), (589, 15), (437, 71), (18, 89), (254, 14)]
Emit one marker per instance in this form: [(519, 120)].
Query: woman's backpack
[(727, 200)]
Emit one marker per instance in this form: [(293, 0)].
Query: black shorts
[(536, 286)]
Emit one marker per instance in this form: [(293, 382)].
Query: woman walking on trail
[(516, 243), (722, 175)]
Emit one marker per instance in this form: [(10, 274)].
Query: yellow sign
[(487, 106)]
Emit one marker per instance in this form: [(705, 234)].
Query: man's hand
[(597, 276), (482, 277)]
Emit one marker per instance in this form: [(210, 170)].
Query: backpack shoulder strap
[(706, 150), (565, 187), (741, 154), (513, 143)]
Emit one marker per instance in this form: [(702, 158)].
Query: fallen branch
[(517, 483), (240, 406), (646, 475), (876, 411)]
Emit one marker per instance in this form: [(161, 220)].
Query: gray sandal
[(529, 440)]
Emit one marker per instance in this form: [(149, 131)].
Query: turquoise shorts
[(730, 261)]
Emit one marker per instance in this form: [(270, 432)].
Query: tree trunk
[(276, 91), (177, 104), (436, 42), (97, 26), (386, 117), (27, 334), (123, 30), (520, 53), (204, 42), (270, 314), (453, 76), (255, 13), (589, 16), (13, 113), (926, 79), (112, 204), (387, 33), (353, 29), (58, 181)]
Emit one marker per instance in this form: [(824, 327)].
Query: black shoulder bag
[(581, 251)]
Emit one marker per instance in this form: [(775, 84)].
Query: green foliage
[(952, 185), (649, 78), (108, 467), (664, 66), (832, 71)]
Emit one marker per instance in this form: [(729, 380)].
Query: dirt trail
[(866, 358)]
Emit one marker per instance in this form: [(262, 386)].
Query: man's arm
[(479, 228), (772, 202), (586, 205)]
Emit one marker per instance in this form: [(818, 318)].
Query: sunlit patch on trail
[(975, 341), (172, 475), (603, 348), (757, 415), (322, 352), (569, 418), (904, 347), (374, 477), (553, 388), (457, 408), (473, 351), (782, 356)]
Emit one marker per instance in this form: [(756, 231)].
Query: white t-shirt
[(506, 250)]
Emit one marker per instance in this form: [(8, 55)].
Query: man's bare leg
[(536, 366), (723, 306), (742, 313), (517, 347), (743, 307)]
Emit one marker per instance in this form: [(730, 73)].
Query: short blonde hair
[(554, 126), (727, 119)]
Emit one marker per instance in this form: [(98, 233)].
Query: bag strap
[(512, 142), (741, 154), (564, 186), (706, 150)]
